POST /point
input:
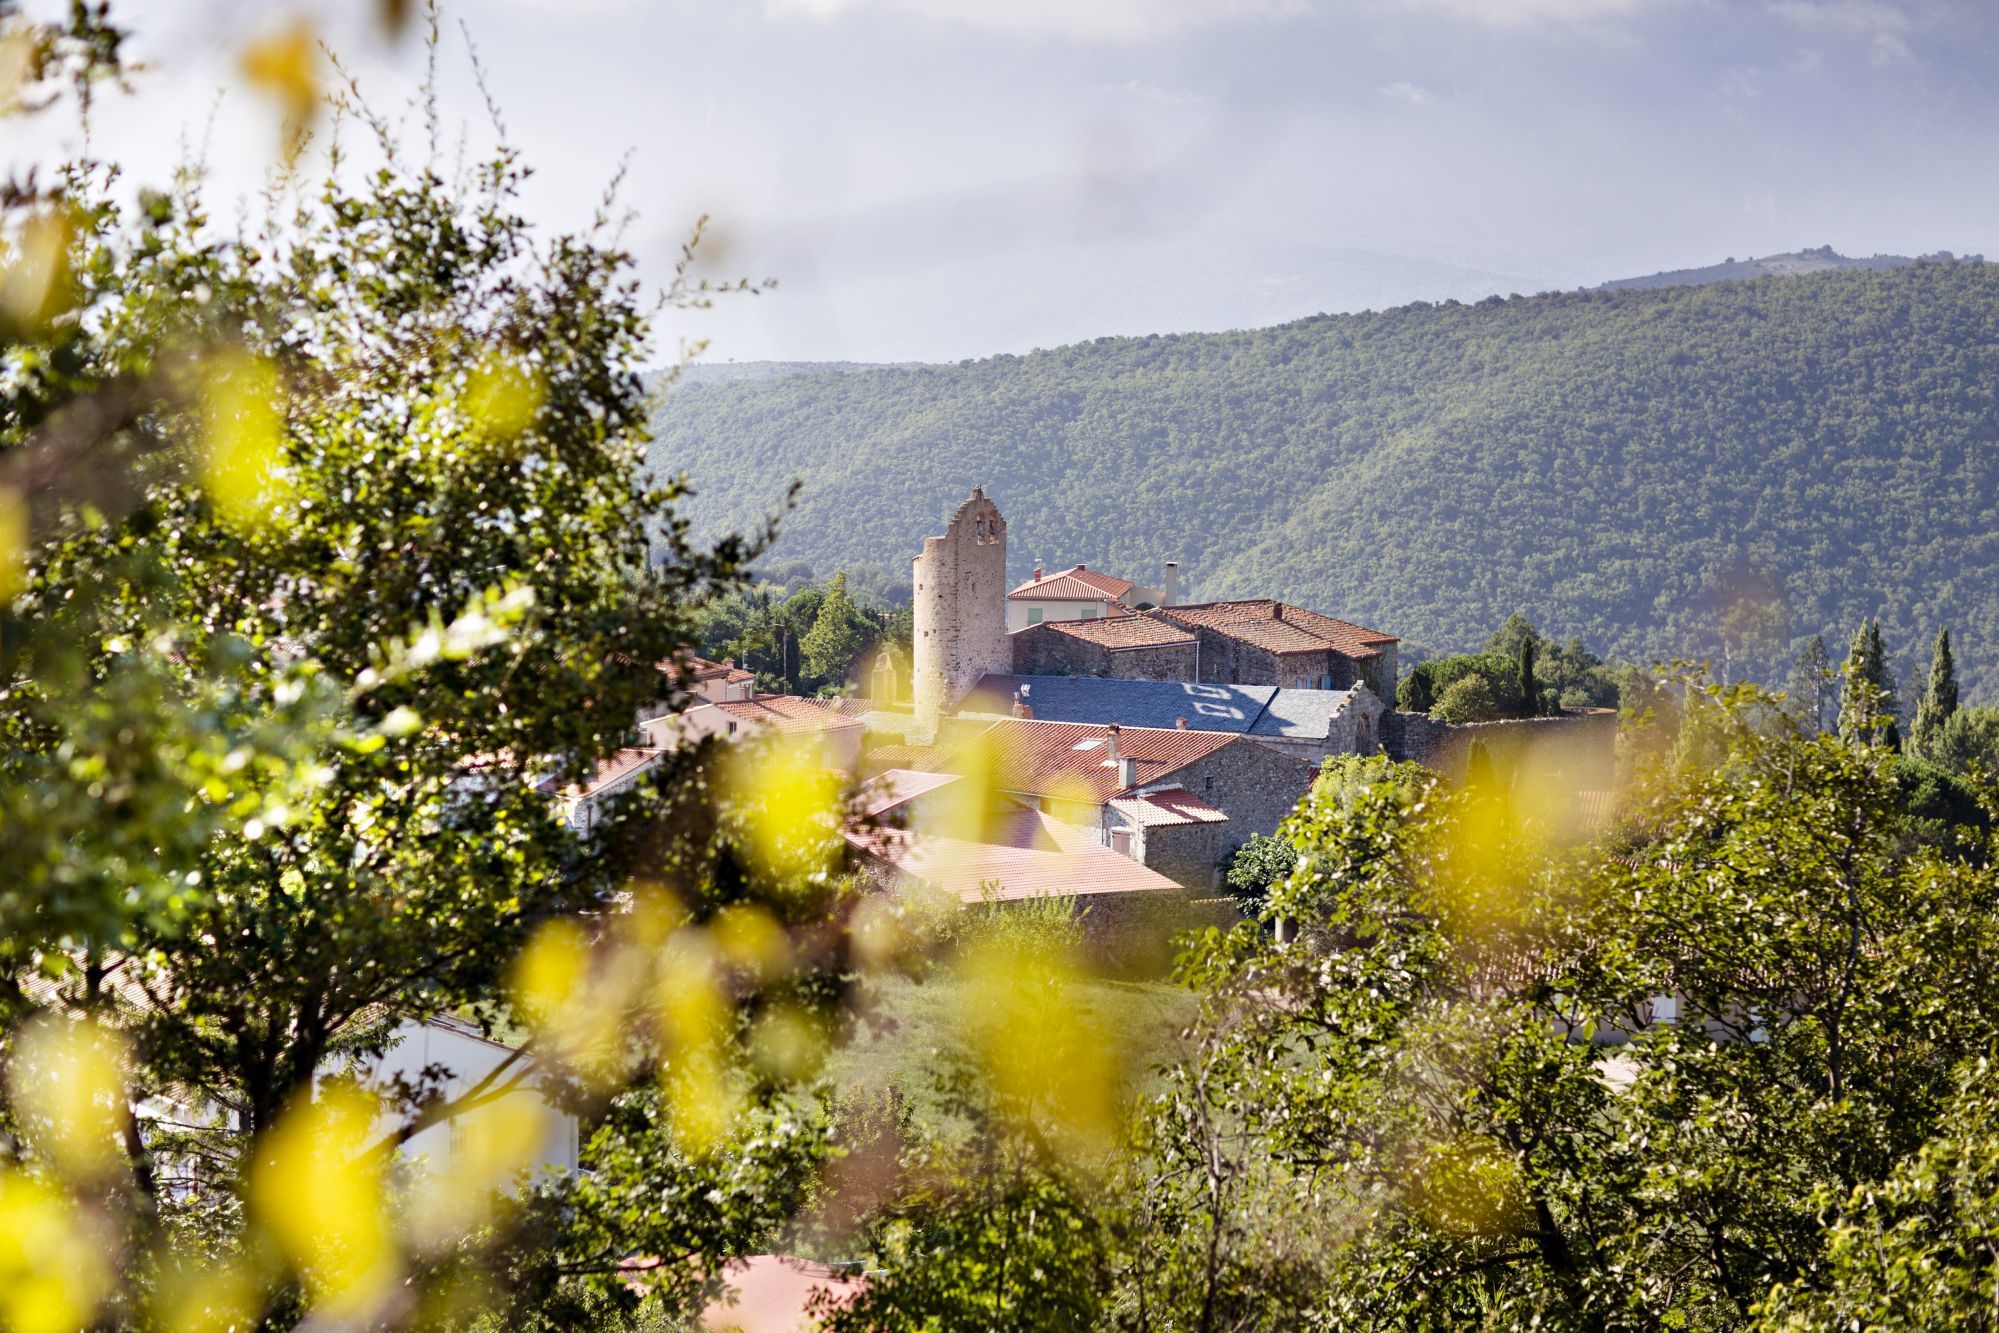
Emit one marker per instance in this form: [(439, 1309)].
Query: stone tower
[(960, 609)]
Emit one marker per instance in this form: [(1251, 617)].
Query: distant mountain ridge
[(1621, 465), (1795, 263)]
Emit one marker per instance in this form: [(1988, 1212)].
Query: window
[(732, 728), (1121, 841), (1088, 613), (1034, 615)]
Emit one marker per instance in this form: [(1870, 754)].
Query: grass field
[(907, 1023)]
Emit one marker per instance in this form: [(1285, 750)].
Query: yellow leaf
[(503, 396), (243, 408), (285, 65), (13, 543), (35, 282), (52, 1270), (318, 1190), (68, 1080)]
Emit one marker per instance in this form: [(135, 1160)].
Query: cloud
[(1073, 20), (1525, 13), (1862, 16), (1404, 91), (1152, 92)]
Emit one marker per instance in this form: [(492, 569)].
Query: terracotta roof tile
[(1069, 759), (1119, 632), (884, 757), (701, 669), (1080, 584), (895, 787), (609, 770), (971, 870), (1171, 805), (1278, 627), (785, 713)]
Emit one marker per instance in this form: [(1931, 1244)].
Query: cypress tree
[(1867, 701), (1812, 685), (1939, 700), (1479, 775), (1530, 694)]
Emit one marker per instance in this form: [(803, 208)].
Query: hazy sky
[(933, 179)]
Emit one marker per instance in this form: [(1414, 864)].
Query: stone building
[(1082, 593), (1175, 800), (1267, 642), (1130, 647), (1305, 724), (960, 608)]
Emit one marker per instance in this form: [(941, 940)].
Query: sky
[(939, 179)]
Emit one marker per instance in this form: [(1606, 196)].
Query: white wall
[(837, 746), (1018, 608), (469, 1058)]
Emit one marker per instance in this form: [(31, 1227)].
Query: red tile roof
[(1043, 758), (1173, 805), (609, 770), (785, 713), (884, 757), (1119, 632), (701, 669), (1278, 627), (977, 872), (896, 787), (1081, 584)]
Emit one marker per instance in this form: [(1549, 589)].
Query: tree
[(1256, 865), (1813, 678), (1938, 703), (1416, 1129), (1867, 704), (1467, 699), (1416, 694), (1529, 692), (366, 601), (840, 633)]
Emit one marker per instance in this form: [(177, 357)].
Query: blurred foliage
[(1400, 1120), (1700, 472), (332, 560)]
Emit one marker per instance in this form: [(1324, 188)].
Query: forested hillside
[(1655, 470), (1792, 264)]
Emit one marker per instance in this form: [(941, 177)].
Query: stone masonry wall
[(1256, 787), (1041, 650), (960, 609), (1577, 750)]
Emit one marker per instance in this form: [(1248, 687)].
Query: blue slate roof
[(1259, 710)]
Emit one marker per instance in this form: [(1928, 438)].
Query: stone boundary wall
[(1577, 749)]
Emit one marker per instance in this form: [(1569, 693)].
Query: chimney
[(1038, 576), (1111, 734), (1179, 724), (1127, 773), (1169, 587)]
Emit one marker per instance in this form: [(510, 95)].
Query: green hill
[(1623, 465)]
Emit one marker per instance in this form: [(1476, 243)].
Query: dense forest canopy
[(1719, 471)]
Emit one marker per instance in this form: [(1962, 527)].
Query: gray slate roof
[(1244, 710)]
